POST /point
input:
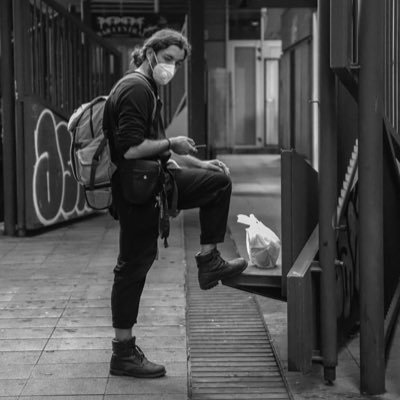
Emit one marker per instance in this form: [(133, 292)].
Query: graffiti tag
[(56, 195)]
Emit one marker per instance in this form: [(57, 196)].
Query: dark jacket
[(132, 114)]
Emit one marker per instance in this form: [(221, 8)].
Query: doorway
[(255, 92)]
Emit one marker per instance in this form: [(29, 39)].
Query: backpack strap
[(173, 207), (139, 75), (167, 210), (91, 121), (95, 161)]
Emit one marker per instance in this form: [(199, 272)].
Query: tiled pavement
[(55, 333)]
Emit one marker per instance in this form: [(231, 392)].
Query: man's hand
[(182, 145), (216, 165)]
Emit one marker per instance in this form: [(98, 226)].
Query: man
[(135, 132)]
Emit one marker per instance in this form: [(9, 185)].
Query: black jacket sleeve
[(134, 109)]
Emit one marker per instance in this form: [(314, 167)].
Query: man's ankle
[(207, 248), (123, 335)]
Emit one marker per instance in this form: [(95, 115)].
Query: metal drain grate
[(230, 355)]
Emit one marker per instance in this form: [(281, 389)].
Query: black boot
[(127, 359), (213, 268)]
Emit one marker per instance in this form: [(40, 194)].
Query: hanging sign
[(135, 26)]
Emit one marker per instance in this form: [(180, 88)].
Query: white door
[(255, 90)]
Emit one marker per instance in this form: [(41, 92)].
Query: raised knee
[(225, 181)]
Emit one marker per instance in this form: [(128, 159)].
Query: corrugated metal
[(173, 6), (139, 6), (230, 355), (123, 6)]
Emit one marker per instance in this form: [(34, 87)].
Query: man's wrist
[(169, 144)]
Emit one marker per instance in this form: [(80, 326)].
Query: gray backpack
[(90, 153)]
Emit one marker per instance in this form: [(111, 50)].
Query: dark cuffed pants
[(197, 188)]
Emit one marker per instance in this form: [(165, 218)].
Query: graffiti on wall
[(56, 195)]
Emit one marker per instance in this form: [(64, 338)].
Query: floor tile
[(65, 386), (134, 386), (82, 370), (11, 387), (22, 344), (71, 356)]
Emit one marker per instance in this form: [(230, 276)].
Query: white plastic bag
[(263, 246)]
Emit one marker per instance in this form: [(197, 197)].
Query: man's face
[(171, 55)]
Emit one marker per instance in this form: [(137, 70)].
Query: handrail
[(305, 259)]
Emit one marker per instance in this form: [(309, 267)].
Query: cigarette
[(199, 146)]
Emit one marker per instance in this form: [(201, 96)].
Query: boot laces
[(221, 261), (138, 352)]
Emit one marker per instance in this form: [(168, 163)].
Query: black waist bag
[(141, 180)]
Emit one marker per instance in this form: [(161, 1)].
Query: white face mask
[(162, 73)]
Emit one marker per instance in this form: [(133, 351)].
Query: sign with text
[(135, 26)]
